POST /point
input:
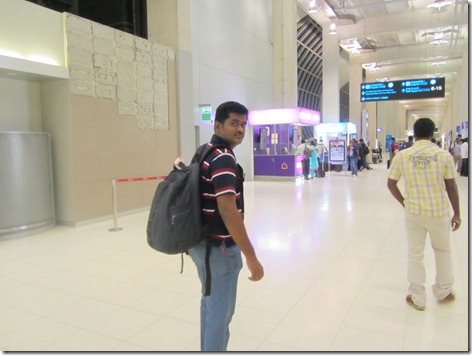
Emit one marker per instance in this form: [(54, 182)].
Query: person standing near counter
[(305, 150), (314, 163), (321, 150)]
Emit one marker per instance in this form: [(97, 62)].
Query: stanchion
[(115, 208), (115, 204)]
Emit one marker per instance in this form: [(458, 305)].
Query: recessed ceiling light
[(332, 28), (313, 8)]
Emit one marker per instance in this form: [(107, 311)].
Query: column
[(284, 27), (330, 98), (169, 23)]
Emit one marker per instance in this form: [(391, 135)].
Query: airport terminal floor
[(334, 253)]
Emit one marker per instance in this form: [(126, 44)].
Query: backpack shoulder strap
[(200, 156), (203, 152)]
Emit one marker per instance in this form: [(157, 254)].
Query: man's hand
[(455, 223), (256, 269)]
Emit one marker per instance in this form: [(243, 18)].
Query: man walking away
[(429, 179), (223, 207)]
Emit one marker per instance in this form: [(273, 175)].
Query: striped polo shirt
[(220, 177), (424, 167)]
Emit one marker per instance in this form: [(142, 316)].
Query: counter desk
[(279, 167)]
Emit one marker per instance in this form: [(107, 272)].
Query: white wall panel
[(232, 59), (20, 105)]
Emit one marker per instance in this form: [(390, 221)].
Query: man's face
[(233, 129)]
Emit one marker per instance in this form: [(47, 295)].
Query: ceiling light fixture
[(332, 28), (438, 38), (371, 67), (368, 66), (313, 8), (351, 46), (438, 42), (438, 63), (438, 4)]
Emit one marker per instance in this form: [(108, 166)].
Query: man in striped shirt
[(429, 179), (223, 206)]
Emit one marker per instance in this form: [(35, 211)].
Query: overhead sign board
[(403, 89)]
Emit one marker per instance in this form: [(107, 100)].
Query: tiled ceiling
[(396, 35)]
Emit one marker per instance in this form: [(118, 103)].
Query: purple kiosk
[(276, 135)]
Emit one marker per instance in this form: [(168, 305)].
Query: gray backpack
[(175, 220)]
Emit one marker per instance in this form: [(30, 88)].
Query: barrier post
[(115, 208)]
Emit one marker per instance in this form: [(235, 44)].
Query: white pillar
[(284, 27), (330, 98)]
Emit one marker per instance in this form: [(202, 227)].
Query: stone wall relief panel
[(115, 65)]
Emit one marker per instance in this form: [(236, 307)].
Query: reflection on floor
[(334, 253)]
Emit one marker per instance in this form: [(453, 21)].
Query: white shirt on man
[(465, 150)]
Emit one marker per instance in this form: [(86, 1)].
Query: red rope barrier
[(141, 179), (113, 192)]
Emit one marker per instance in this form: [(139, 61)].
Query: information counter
[(276, 135), (278, 166)]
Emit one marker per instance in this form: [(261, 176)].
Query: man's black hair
[(223, 111), (424, 127)]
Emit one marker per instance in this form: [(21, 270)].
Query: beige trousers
[(417, 228)]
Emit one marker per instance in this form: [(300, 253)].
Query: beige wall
[(55, 111), (106, 145)]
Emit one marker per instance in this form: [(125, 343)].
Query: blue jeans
[(353, 162), (216, 310)]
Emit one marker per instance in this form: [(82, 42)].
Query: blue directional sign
[(403, 89)]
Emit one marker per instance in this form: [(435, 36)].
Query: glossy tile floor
[(334, 253)]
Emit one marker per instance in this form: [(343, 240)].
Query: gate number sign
[(403, 89)]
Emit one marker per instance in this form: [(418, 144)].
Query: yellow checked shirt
[(424, 167)]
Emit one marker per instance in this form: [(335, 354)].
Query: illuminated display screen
[(403, 89)]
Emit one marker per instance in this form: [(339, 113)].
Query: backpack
[(175, 220), (365, 149)]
